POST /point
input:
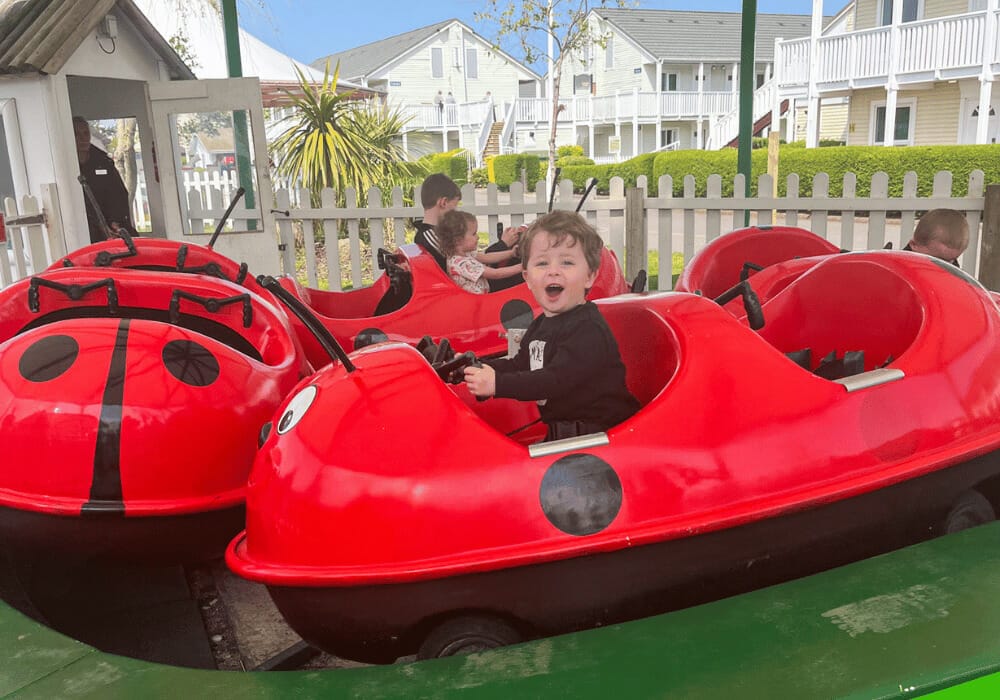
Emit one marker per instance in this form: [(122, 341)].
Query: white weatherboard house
[(654, 79), (447, 58), (668, 79), (922, 72)]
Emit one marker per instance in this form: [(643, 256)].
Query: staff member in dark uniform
[(105, 183)]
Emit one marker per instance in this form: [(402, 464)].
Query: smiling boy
[(569, 361)]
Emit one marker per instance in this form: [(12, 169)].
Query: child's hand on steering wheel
[(481, 381)]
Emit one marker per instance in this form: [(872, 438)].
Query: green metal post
[(747, 78), (241, 134)]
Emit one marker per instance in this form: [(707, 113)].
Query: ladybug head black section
[(369, 336), (580, 494), (190, 362), (516, 313), (48, 357)]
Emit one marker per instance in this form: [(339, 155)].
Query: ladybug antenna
[(325, 338), (586, 193), (225, 217)]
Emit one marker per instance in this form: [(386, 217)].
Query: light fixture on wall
[(107, 29)]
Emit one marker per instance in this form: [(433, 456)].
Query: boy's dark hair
[(436, 186), (947, 226), (451, 229), (560, 225)]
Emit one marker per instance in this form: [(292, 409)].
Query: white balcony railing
[(954, 43)]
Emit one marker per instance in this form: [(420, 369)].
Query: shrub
[(480, 178), (573, 160), (453, 164), (507, 169), (566, 151)]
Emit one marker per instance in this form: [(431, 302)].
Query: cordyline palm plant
[(334, 140)]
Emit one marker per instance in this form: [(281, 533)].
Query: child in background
[(458, 236), (438, 195), (569, 360)]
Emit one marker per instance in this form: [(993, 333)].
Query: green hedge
[(564, 151), (507, 169), (864, 161), (453, 164), (565, 161)]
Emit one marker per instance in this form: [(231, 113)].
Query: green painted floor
[(922, 619)]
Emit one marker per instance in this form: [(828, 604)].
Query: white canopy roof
[(207, 43)]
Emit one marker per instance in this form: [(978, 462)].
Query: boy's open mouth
[(553, 290)]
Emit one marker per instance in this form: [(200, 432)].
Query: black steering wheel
[(449, 371)]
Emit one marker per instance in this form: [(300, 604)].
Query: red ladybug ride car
[(388, 513), (130, 407)]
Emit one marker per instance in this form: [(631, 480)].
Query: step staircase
[(493, 140)]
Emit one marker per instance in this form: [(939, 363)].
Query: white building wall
[(621, 76), (130, 58), (411, 80)]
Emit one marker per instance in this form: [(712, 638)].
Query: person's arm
[(496, 273), (494, 258)]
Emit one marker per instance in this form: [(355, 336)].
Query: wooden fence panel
[(664, 234), (354, 240), (713, 216), (689, 193), (821, 192), (792, 190), (971, 260), (847, 215), (876, 218)]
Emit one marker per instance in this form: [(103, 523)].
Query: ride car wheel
[(467, 635), (970, 509)]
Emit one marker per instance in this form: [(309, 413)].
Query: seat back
[(647, 348), (848, 306)]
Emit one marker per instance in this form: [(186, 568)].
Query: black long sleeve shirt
[(570, 364), (427, 239)]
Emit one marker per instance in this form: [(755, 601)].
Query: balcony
[(945, 48)]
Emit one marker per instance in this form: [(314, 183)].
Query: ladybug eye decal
[(190, 362), (49, 357), (296, 409)]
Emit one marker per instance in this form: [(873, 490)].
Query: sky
[(311, 29)]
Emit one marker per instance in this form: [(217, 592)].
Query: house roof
[(39, 36), (220, 142), (686, 36), (360, 62), (363, 60)]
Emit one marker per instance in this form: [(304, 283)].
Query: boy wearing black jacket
[(569, 361)]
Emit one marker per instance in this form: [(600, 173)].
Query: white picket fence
[(669, 224)]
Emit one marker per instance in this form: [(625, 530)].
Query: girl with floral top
[(458, 235)]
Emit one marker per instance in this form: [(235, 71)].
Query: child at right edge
[(569, 360)]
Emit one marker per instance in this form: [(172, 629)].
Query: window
[(609, 53), (582, 83), (668, 136), (910, 11), (760, 79), (977, 5), (668, 82), (471, 64), (437, 63), (904, 125)]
